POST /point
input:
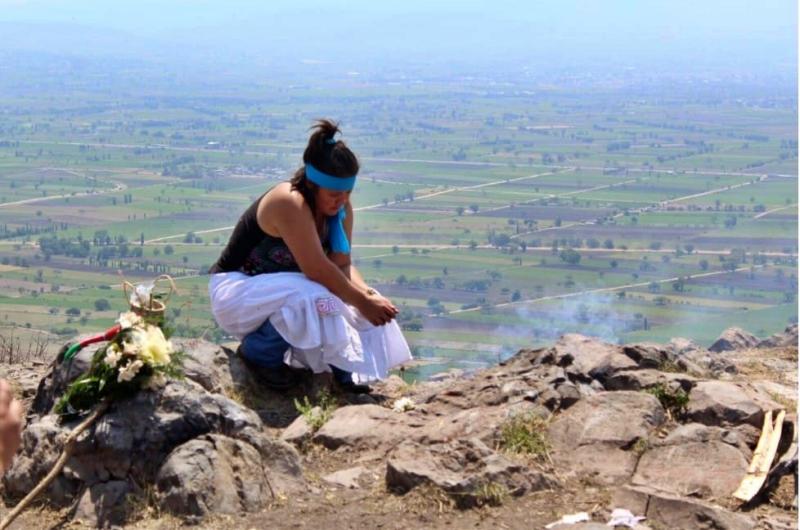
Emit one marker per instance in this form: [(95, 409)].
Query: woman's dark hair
[(327, 155)]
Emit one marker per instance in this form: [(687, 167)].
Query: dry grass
[(15, 349)]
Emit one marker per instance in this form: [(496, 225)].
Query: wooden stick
[(69, 446), (762, 457)]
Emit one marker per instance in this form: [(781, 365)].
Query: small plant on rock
[(491, 494), (674, 400), (319, 412), (524, 434), (641, 446)]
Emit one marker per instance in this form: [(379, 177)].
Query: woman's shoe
[(353, 388), (344, 380)]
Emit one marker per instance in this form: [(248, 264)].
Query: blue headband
[(330, 182)]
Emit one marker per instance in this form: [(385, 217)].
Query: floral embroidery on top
[(282, 256)]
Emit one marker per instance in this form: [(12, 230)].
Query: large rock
[(734, 339), (213, 474), (784, 339), (595, 436), (725, 403), (672, 511), (103, 504), (587, 358), (364, 427), (694, 463), (466, 469), (132, 440), (647, 378)]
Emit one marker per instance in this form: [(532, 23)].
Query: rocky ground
[(665, 431)]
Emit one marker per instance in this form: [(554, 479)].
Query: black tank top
[(252, 251)]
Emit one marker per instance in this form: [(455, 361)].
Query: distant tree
[(395, 249), (614, 264), (73, 312), (655, 245), (168, 250), (592, 243), (608, 243), (101, 304), (474, 208), (570, 256), (501, 240), (654, 287), (703, 264), (516, 296), (729, 265), (460, 210), (401, 280), (689, 248), (473, 245)]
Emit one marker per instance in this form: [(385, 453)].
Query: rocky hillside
[(664, 431)]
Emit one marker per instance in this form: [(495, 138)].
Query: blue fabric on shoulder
[(336, 233)]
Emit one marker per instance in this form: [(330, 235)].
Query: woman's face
[(329, 201)]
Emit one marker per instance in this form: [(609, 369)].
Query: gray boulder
[(466, 469), (134, 439), (103, 504), (595, 437), (672, 511), (705, 469), (734, 339), (213, 474), (786, 338), (723, 403), (362, 426)]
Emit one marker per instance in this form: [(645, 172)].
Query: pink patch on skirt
[(327, 306)]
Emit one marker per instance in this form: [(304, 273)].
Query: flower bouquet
[(138, 354)]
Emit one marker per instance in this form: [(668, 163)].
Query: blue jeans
[(265, 347)]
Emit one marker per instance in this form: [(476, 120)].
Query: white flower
[(155, 348), (129, 371), (113, 355), (156, 381), (129, 320), (403, 405), (133, 342)]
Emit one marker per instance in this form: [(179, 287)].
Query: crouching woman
[(284, 284)]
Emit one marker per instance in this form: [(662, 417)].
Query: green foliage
[(524, 434), (674, 400), (319, 412), (491, 494)]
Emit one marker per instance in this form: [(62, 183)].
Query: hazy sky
[(693, 33)]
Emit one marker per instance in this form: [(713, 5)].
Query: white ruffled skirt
[(321, 329)]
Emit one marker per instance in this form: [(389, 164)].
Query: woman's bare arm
[(290, 215), (348, 269)]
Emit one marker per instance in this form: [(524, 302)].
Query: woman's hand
[(10, 425), (377, 309)]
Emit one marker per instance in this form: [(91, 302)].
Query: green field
[(496, 220)]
